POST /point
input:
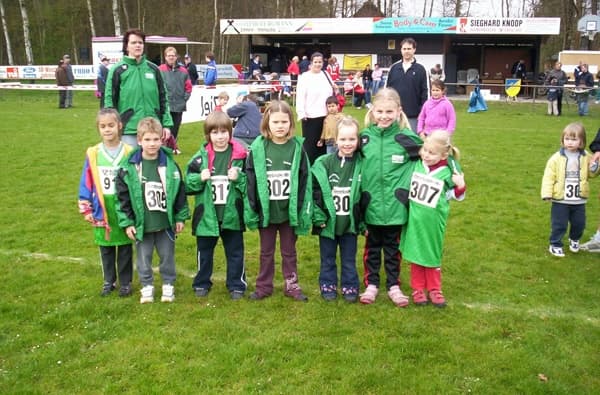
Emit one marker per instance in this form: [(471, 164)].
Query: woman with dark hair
[(314, 87), (135, 87)]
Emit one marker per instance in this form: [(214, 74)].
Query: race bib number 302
[(279, 184), (425, 190), (155, 196), (220, 189), (107, 178)]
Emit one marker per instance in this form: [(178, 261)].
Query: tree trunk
[(26, 39), (6, 36), (117, 19), (215, 29), (126, 15), (91, 17)]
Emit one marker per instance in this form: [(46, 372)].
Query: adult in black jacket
[(409, 79)]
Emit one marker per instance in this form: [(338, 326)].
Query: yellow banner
[(356, 62)]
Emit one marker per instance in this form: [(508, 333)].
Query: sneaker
[(125, 291), (107, 288), (574, 245), (351, 298), (370, 294), (201, 292), (329, 296), (419, 298), (437, 299), (236, 295), (591, 246), (396, 296), (358, 108), (168, 293), (176, 151), (256, 296), (368, 105), (147, 294), (556, 251)]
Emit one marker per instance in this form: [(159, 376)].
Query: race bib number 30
[(279, 184), (425, 190), (155, 197), (572, 189), (107, 178), (341, 200), (220, 189)]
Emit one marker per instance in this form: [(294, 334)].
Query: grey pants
[(164, 241)]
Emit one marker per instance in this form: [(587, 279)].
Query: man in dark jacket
[(191, 68)]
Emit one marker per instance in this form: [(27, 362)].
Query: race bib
[(279, 184), (572, 189), (220, 189), (341, 200), (425, 190), (155, 196), (107, 179)]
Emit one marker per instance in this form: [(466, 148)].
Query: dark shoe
[(329, 296), (236, 295), (201, 292), (351, 298), (125, 291), (255, 296), (107, 289), (297, 295)]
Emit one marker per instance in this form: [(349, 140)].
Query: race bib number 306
[(279, 184), (107, 178), (220, 189), (155, 197), (425, 190)]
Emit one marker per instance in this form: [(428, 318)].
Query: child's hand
[(130, 231), (179, 227), (205, 175), (319, 143), (89, 218), (232, 173), (458, 179), (166, 134)]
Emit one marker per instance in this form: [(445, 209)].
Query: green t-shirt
[(279, 158), (219, 181), (340, 180), (155, 199)]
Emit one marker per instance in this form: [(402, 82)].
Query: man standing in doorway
[(409, 79)]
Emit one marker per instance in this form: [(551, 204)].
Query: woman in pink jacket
[(437, 112)]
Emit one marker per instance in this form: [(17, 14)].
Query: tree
[(91, 16), (26, 39), (116, 17), (6, 35)]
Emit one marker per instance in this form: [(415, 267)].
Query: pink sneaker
[(369, 295), (419, 298), (396, 295), (437, 298)]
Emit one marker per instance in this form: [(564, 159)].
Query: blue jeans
[(563, 214), (233, 244), (582, 106), (328, 278)]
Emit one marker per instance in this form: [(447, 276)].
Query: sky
[(479, 8)]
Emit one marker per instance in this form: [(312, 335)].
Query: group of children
[(383, 181)]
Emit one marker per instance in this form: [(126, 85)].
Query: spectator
[(101, 80), (255, 64), (304, 64), (210, 75), (437, 73), (519, 70), (191, 68), (62, 83), (561, 78), (367, 78), (377, 76), (294, 70), (70, 80), (333, 69), (577, 72), (247, 117), (586, 83)]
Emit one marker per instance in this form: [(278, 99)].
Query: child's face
[(385, 112), (436, 92), (430, 155), (222, 100), (347, 140), (150, 143), (571, 143), (279, 125), (108, 127), (219, 138), (332, 108)]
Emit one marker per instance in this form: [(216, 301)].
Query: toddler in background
[(330, 125), (437, 112)]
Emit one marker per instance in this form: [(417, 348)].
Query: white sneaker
[(574, 245), (369, 295), (556, 251), (168, 293), (395, 294), (147, 294), (591, 246)]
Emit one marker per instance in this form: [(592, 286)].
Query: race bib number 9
[(107, 178), (220, 189), (572, 189), (155, 197), (279, 184), (425, 190), (341, 200)]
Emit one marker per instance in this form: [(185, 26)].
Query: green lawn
[(518, 320)]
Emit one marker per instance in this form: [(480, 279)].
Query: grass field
[(518, 320)]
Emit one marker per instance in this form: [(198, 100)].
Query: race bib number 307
[(155, 196), (279, 184), (425, 190), (107, 178)]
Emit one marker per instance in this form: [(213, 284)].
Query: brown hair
[(276, 106), (574, 129), (438, 84), (128, 33), (217, 120), (106, 112), (210, 55)]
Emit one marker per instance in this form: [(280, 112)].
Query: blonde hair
[(110, 112), (170, 49), (217, 120), (439, 141), (223, 95), (574, 129), (148, 125), (276, 106), (387, 94), (347, 121)]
